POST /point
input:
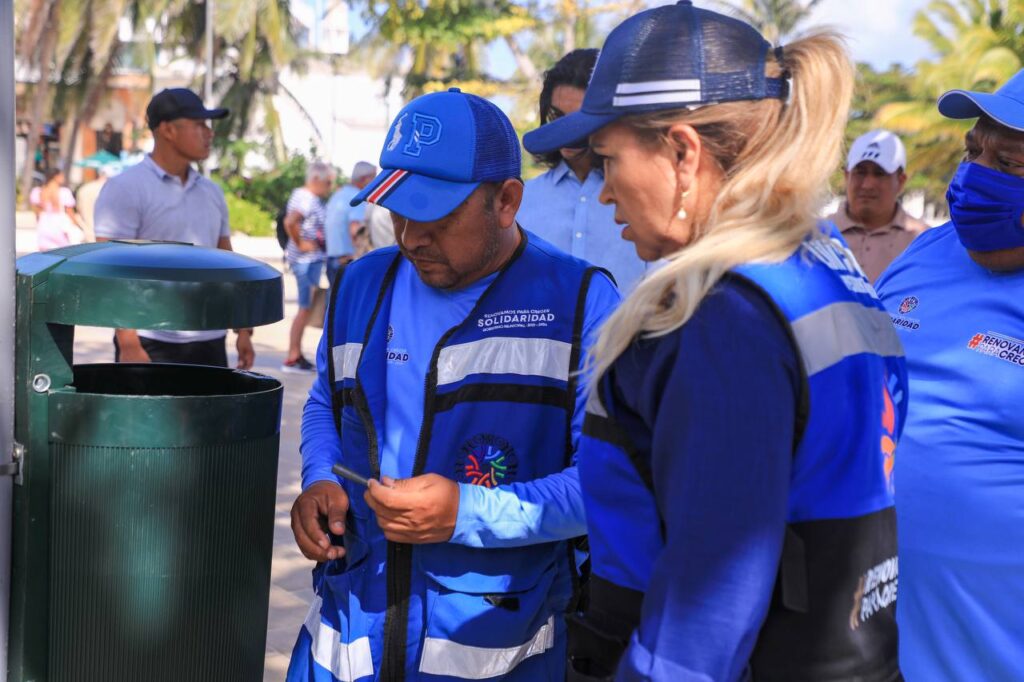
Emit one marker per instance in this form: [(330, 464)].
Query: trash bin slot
[(154, 379)]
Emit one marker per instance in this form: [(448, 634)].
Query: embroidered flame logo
[(888, 435)]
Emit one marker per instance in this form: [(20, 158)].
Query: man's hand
[(130, 346), (323, 505), (417, 510), (246, 354)]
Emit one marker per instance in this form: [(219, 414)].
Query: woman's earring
[(681, 214)]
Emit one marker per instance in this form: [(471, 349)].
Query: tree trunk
[(28, 41), (90, 103), (571, 17), (73, 123), (40, 98), (523, 61)]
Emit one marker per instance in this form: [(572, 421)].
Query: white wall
[(351, 114)]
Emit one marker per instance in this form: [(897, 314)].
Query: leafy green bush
[(248, 218), (270, 190)]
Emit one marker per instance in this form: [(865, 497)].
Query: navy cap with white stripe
[(671, 57), (439, 149)]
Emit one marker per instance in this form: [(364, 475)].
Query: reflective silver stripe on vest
[(833, 333), (346, 358), (504, 355), (347, 662), (444, 657)]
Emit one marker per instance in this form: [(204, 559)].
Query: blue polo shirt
[(566, 212), (959, 471), (336, 222)]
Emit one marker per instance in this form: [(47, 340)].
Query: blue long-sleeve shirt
[(517, 514), (568, 213), (716, 400)]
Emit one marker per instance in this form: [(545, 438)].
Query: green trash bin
[(144, 508)]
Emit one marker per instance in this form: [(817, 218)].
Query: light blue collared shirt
[(339, 215), (566, 212)]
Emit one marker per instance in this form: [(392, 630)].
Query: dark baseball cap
[(173, 103)]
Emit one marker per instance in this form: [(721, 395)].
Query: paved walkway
[(290, 591)]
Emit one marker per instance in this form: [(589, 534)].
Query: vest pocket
[(341, 633), (483, 623)]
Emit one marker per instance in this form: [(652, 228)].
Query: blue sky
[(879, 31)]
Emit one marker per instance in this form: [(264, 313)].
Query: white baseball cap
[(878, 146)]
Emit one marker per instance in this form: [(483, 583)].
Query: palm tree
[(979, 47), (434, 44), (73, 46), (36, 48), (256, 42), (777, 20)]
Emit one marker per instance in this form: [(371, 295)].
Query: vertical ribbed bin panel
[(154, 568), (162, 490)]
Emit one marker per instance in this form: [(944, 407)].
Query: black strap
[(792, 580), (329, 322), (597, 639), (578, 574)]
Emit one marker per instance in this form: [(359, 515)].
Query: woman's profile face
[(640, 179)]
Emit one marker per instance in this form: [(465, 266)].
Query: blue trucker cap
[(439, 149), (1005, 105), (669, 57)]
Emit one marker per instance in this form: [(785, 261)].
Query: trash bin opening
[(167, 380)]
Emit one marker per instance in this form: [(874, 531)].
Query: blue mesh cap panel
[(497, 156), (676, 56), (734, 59)]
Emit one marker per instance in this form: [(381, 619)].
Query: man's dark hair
[(573, 69)]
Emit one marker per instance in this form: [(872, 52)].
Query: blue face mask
[(986, 208)]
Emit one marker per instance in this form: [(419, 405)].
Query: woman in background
[(57, 223)]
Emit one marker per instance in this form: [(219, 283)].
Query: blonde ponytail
[(776, 157)]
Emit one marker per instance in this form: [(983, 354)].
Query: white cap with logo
[(878, 146)]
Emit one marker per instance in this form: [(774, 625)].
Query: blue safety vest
[(498, 403), (832, 614)]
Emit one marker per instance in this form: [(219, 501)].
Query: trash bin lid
[(155, 285)]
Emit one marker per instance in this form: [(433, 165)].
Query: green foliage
[(777, 20), (268, 191), (445, 39), (874, 91), (979, 45), (248, 218)]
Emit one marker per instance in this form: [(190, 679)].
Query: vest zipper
[(399, 569)]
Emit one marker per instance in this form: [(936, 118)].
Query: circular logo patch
[(390, 334), (908, 304), (487, 460)]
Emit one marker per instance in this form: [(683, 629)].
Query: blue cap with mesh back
[(669, 57), (439, 149), (1005, 105)]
